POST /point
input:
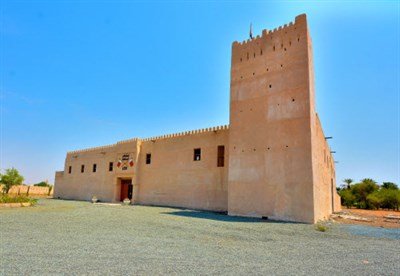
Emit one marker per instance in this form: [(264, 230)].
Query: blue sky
[(78, 74)]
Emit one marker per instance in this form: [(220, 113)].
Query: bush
[(374, 201), (320, 227), (42, 184), (347, 198), (17, 199), (390, 198), (362, 190)]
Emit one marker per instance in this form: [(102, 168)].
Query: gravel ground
[(69, 237)]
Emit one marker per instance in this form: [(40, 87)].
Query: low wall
[(30, 190)]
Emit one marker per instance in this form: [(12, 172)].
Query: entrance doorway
[(126, 189)]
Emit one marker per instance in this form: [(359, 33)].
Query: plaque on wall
[(125, 162)]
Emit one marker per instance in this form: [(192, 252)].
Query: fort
[(272, 160)]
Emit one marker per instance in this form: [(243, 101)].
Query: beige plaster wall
[(38, 191), (28, 190), (325, 196), (103, 184), (270, 171), (174, 179), (18, 190)]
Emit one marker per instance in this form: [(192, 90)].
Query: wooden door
[(126, 189)]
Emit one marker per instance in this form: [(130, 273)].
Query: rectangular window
[(197, 155), (82, 168), (110, 167), (70, 169), (94, 167), (221, 156), (148, 158)]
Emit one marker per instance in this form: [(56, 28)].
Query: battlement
[(271, 42), (191, 132), (90, 149), (179, 134), (300, 20)]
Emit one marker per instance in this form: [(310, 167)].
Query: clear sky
[(78, 74)]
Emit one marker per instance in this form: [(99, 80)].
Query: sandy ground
[(377, 218), (58, 237)]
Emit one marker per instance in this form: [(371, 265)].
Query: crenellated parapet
[(91, 149), (133, 140), (277, 39), (186, 133)]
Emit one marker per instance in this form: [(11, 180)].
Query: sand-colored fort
[(272, 160)]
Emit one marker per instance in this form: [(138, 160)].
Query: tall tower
[(272, 124)]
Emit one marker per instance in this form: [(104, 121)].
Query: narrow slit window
[(94, 167), (221, 156), (197, 155), (82, 168), (148, 158), (110, 166), (70, 169)]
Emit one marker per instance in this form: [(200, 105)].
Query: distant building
[(271, 161)]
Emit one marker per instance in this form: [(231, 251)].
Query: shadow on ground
[(219, 216)]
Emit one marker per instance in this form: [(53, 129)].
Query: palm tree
[(348, 182)]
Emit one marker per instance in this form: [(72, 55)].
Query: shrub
[(347, 198), (320, 227), (390, 198), (41, 184), (362, 190), (17, 199), (374, 201)]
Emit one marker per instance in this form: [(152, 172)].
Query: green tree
[(348, 182), (389, 185), (10, 178), (390, 198), (347, 198), (362, 190), (374, 200), (42, 184)]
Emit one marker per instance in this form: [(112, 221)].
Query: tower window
[(197, 155), (82, 168), (69, 169), (110, 166), (94, 167), (148, 158), (221, 156)]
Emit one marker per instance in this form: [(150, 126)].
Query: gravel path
[(69, 237)]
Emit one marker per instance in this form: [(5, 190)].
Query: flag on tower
[(251, 32)]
